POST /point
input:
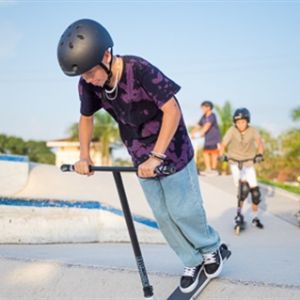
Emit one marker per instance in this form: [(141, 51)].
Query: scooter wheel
[(237, 229)]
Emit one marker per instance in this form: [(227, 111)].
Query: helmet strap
[(108, 70)]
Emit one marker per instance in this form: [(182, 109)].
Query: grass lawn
[(284, 186)]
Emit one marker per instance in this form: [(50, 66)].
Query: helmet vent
[(74, 68), (71, 45), (80, 36), (61, 43)]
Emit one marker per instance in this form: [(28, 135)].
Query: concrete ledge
[(21, 224), (56, 207)]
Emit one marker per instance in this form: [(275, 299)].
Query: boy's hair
[(207, 103)]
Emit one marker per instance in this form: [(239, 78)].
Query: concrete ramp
[(48, 182), (13, 174), (57, 207), (66, 207)]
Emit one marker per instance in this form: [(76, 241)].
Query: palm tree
[(225, 113), (73, 132), (105, 131)]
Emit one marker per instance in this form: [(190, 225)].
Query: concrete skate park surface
[(265, 264)]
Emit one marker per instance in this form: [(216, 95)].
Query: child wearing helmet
[(142, 101), (244, 148)]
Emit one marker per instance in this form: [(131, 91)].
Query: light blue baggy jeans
[(177, 205)]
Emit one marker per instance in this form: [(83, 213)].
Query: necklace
[(115, 88)]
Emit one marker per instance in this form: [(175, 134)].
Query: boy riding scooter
[(244, 148)]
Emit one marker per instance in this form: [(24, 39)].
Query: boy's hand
[(258, 158), (83, 167), (147, 168)]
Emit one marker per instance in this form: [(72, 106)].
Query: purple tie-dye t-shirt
[(142, 90)]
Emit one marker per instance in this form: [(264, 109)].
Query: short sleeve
[(211, 119), (90, 102), (256, 133), (158, 86), (228, 136), (201, 121)]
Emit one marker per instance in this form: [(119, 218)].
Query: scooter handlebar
[(160, 170)]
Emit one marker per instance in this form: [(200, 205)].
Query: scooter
[(240, 223), (165, 170)]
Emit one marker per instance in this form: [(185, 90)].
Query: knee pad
[(244, 190), (255, 193)]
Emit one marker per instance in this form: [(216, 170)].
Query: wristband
[(158, 155)]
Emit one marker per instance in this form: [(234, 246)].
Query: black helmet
[(82, 46), (241, 113)]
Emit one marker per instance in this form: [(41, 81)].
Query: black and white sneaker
[(213, 264), (256, 222), (190, 278)]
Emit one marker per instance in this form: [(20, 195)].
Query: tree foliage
[(37, 151), (282, 154), (225, 113), (105, 131), (296, 114)]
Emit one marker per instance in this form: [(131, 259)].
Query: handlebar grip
[(160, 170), (67, 168), (165, 170)]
